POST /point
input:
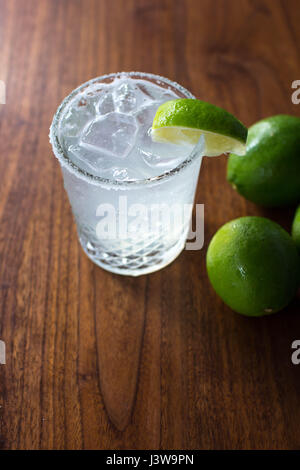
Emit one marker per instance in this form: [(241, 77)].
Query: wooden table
[(100, 361)]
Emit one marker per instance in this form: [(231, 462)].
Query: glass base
[(144, 261)]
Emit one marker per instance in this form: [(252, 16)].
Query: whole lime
[(296, 228), (253, 265), (269, 172)]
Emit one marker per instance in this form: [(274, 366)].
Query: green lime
[(253, 265), (183, 121), (269, 173), (296, 228)]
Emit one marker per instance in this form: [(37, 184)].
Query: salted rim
[(99, 180)]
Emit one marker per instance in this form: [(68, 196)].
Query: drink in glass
[(131, 197)]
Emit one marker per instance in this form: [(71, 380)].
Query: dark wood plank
[(95, 360)]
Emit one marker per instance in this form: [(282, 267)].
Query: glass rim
[(64, 159)]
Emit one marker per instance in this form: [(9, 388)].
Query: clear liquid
[(106, 131)]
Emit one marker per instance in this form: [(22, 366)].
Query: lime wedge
[(183, 121)]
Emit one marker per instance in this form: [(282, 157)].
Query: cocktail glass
[(133, 226)]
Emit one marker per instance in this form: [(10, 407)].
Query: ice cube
[(150, 158), (113, 134), (124, 98), (89, 160), (78, 115), (156, 154), (157, 158), (145, 115), (128, 97), (105, 104)]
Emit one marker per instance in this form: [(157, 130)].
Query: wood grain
[(99, 361)]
